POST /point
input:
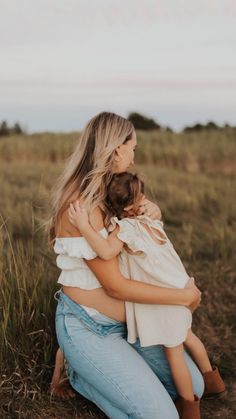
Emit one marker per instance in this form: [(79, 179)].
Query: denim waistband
[(87, 320)]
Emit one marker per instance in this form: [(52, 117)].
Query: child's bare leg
[(180, 371), (198, 352)]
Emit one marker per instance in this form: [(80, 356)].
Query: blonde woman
[(123, 380)]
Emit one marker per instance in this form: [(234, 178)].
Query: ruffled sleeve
[(76, 247), (129, 233)]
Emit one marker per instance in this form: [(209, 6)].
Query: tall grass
[(188, 151), (199, 211)]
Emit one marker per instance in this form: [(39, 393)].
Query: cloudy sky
[(62, 61)]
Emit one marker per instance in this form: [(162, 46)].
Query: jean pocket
[(73, 326)]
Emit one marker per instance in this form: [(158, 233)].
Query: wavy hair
[(89, 169), (123, 190)]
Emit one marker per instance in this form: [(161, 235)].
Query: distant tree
[(168, 129), (142, 122), (199, 127), (228, 126), (211, 125), (4, 130), (16, 129), (196, 127)]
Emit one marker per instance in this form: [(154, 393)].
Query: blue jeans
[(123, 380)]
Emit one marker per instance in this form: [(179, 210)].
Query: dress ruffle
[(127, 234), (133, 233)]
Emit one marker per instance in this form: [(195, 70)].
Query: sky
[(63, 61)]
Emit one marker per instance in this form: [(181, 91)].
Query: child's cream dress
[(156, 264)]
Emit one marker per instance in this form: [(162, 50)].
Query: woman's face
[(124, 155)]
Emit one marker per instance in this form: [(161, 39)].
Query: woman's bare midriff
[(99, 300), (96, 298)]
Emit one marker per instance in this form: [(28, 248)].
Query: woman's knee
[(198, 383)]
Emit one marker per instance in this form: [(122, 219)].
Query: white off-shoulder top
[(74, 272), (71, 254)]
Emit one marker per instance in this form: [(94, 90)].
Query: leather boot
[(188, 409), (213, 382)]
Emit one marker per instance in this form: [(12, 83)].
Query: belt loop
[(57, 294)]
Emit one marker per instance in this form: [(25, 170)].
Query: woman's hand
[(78, 216), (193, 295), (151, 209), (145, 207)]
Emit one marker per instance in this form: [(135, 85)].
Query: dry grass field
[(193, 179)]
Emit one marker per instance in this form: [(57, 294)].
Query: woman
[(123, 380)]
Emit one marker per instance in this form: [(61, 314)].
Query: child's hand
[(78, 216)]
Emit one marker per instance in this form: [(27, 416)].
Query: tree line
[(140, 122), (144, 123), (6, 129)]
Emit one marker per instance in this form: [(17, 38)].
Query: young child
[(147, 255)]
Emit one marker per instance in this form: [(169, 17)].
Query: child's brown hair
[(122, 191)]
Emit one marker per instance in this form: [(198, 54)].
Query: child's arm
[(105, 248)]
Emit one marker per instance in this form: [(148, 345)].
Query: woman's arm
[(117, 286)]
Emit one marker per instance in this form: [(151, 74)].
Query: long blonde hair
[(89, 169)]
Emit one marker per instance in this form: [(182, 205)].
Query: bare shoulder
[(65, 228), (96, 219)]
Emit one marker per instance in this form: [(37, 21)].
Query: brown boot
[(213, 382), (188, 409)]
